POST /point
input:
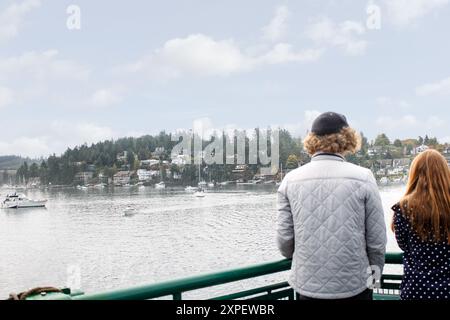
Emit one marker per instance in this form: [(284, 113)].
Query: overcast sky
[(138, 67)]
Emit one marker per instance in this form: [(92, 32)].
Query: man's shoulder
[(362, 172), (339, 170)]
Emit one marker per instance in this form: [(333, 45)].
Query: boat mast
[(281, 166), (199, 171)]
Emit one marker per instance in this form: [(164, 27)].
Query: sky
[(79, 71)]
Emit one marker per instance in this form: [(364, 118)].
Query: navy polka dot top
[(426, 263)]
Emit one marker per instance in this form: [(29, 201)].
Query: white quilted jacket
[(331, 223)]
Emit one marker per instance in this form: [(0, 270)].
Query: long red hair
[(427, 200)]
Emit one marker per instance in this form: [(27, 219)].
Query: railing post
[(177, 296)]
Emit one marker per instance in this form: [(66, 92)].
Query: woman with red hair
[(422, 228)]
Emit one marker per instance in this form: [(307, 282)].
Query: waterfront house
[(420, 149), (176, 176), (396, 171), (144, 175), (103, 178), (401, 163), (181, 160), (155, 173), (84, 177), (371, 152), (385, 163), (122, 178), (159, 152), (122, 156), (149, 162), (376, 151)]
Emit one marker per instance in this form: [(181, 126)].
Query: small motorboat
[(19, 201), (200, 193), (160, 185), (129, 211)]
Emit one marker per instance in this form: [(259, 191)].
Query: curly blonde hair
[(347, 141)]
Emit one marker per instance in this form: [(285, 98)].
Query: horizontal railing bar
[(189, 284), (251, 292), (282, 294), (394, 258), (175, 287)]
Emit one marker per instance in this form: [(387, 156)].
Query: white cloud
[(200, 55), (345, 35), (75, 134), (6, 97), (342, 35), (203, 127), (437, 88), (196, 54), (27, 146), (303, 126), (390, 102), (44, 77), (389, 122), (58, 137), (12, 18), (409, 121), (284, 53), (105, 98), (277, 27), (405, 12), (435, 122), (41, 66)]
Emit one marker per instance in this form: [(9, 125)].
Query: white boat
[(199, 194), (160, 185), (18, 201), (384, 181), (129, 211), (190, 189), (211, 185), (398, 180), (82, 187)]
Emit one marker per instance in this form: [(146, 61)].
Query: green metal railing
[(175, 288)]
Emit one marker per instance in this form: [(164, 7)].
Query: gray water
[(172, 234)]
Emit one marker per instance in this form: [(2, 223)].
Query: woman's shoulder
[(399, 215), (397, 208)]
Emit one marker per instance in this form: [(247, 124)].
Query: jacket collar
[(327, 156)]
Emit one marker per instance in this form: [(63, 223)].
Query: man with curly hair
[(331, 219)]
